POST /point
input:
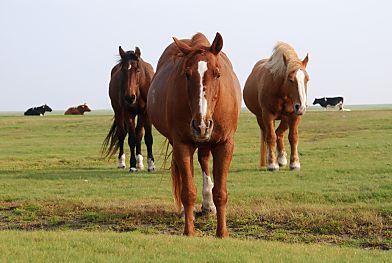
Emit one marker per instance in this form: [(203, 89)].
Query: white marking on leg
[(151, 165), (202, 68), (121, 161), (208, 202), (300, 76), (282, 158), (139, 162), (295, 166)]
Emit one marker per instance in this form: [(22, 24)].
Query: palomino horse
[(128, 88), (194, 101), (276, 89), (79, 110), (38, 110)]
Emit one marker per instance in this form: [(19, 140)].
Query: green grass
[(81, 246), (52, 177)]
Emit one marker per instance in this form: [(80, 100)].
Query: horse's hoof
[(151, 165), (132, 170), (295, 166), (121, 162), (282, 160), (208, 211), (273, 167), (139, 162)]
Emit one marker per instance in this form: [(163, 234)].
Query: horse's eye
[(217, 75), (138, 70)]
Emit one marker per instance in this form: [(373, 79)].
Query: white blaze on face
[(130, 66), (202, 68), (300, 76)]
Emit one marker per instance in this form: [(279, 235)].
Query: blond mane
[(276, 64)]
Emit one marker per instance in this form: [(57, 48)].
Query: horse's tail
[(176, 184), (263, 150), (111, 143)]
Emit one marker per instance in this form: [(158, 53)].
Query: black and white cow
[(329, 102), (38, 110)]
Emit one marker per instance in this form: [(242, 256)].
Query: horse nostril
[(194, 126), (209, 124), (133, 98)]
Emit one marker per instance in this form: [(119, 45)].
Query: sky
[(61, 52)]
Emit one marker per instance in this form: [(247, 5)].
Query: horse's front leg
[(132, 143), (222, 155), (183, 157), (293, 139), (139, 136), (282, 155), (270, 137), (148, 139), (119, 122), (207, 205)]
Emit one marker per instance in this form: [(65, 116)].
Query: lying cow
[(330, 102), (79, 110), (38, 111)]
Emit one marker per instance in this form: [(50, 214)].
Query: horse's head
[(201, 73), (131, 68), (296, 84), (315, 101), (47, 108)]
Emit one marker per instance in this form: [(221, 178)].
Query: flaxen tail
[(111, 143), (176, 184), (263, 150)]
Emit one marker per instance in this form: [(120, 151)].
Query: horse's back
[(253, 87)]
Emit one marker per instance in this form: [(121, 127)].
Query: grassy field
[(53, 182)]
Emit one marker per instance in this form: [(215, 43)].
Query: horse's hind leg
[(121, 133), (207, 206), (139, 135), (263, 145), (148, 139), (121, 155), (282, 155), (132, 143), (293, 138)]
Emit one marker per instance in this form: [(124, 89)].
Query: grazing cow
[(329, 102), (38, 111), (79, 110)]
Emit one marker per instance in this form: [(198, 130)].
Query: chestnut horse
[(128, 88), (79, 110), (194, 101), (276, 90)]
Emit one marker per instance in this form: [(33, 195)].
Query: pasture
[(59, 199)]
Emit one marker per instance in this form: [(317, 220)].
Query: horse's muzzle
[(298, 109), (201, 130), (130, 99)]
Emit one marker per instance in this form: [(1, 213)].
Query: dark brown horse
[(194, 101), (276, 90), (128, 88), (79, 110)]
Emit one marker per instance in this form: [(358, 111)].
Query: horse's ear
[(305, 61), (217, 44), (184, 48), (285, 59), (138, 53), (121, 51)]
